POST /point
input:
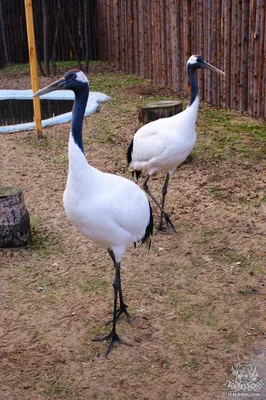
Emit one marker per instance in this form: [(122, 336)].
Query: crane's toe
[(119, 311), (169, 224), (112, 338)]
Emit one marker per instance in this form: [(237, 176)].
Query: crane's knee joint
[(116, 284), (164, 191)]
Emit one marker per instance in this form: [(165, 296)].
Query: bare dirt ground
[(197, 298)]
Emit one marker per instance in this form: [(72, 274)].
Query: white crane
[(165, 143), (110, 210)]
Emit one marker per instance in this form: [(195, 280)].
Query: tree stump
[(14, 218), (159, 109)]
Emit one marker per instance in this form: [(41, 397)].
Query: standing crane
[(110, 210), (165, 143)]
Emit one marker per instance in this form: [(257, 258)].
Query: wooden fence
[(77, 20), (154, 39)]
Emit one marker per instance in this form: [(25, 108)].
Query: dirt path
[(197, 299)]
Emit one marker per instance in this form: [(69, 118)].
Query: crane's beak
[(212, 68), (60, 84)]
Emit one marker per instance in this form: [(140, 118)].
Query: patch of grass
[(30, 141), (39, 241), (188, 360), (255, 270), (103, 136), (61, 159), (22, 68), (186, 314), (100, 83), (94, 286), (213, 190), (57, 389), (245, 292), (209, 231), (234, 257), (221, 133)]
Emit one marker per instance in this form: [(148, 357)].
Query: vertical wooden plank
[(126, 37), (214, 51), (233, 54), (227, 52), (209, 75), (168, 38), (116, 34), (129, 22), (256, 56), (122, 37), (174, 45), (141, 46), (180, 23), (136, 61), (251, 56), (147, 22), (218, 5), (100, 23), (204, 92), (156, 43), (238, 53), (111, 41), (264, 73), (152, 41), (163, 43), (187, 29), (177, 52), (200, 49), (261, 61), (244, 57)]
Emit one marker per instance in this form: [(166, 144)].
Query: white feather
[(81, 77), (166, 142), (109, 209)]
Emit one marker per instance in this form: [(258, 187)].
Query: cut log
[(159, 109), (14, 218)]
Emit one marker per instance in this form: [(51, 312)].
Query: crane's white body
[(165, 143), (110, 210)]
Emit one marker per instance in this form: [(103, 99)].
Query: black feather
[(149, 229), (129, 152), (129, 159)]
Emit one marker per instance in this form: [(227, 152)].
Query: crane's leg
[(166, 216), (112, 337), (123, 307), (164, 192)]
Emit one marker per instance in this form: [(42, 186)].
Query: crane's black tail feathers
[(149, 230), (129, 152), (129, 159), (138, 173)]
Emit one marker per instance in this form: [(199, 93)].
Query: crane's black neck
[(81, 98), (193, 84)]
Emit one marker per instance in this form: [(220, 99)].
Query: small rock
[(40, 289)]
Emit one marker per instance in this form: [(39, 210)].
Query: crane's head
[(196, 61), (73, 80)]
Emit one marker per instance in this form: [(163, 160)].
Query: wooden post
[(33, 67), (159, 109), (14, 218)]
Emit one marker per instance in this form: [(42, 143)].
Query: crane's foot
[(169, 224), (112, 338), (119, 311)]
